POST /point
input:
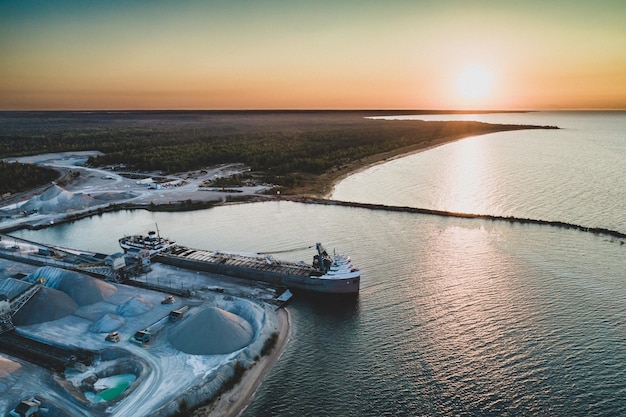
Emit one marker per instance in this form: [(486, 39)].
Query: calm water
[(576, 174), (455, 317)]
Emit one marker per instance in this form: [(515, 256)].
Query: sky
[(293, 54)]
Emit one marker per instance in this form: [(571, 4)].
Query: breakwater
[(187, 206), (511, 219)]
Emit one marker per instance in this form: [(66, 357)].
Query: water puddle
[(110, 387)]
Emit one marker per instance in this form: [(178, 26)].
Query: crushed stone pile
[(107, 323), (12, 287), (47, 305), (212, 331), (83, 289), (134, 307), (57, 199)]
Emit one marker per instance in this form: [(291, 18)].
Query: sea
[(456, 316)]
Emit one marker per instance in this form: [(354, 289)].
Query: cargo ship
[(329, 274)]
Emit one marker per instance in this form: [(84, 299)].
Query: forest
[(20, 177), (281, 147)]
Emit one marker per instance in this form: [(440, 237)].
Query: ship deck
[(241, 261)]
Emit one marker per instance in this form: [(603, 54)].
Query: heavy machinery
[(112, 337), (9, 307), (27, 408)]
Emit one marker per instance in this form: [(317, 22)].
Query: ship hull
[(296, 279)]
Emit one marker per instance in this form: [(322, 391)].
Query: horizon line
[(285, 110)]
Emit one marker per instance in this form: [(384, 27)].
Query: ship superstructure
[(152, 242)]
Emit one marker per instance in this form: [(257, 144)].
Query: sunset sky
[(291, 54)]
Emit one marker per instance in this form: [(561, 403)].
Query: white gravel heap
[(134, 307), (212, 331), (56, 199), (107, 323), (47, 305), (83, 289), (63, 292)]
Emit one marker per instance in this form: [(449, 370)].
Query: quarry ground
[(170, 374), (165, 373), (87, 189)]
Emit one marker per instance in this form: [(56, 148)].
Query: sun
[(474, 83)]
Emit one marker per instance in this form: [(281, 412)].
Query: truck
[(178, 314), (142, 337), (112, 337), (26, 408), (168, 300)]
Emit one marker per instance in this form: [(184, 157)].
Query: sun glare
[(474, 83)]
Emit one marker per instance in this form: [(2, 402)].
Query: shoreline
[(387, 157), (235, 401), (320, 186), (323, 185)]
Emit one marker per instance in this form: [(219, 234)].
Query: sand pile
[(56, 199), (83, 289), (7, 367), (212, 331), (47, 305), (134, 307), (107, 323)]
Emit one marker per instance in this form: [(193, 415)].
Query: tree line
[(16, 177), (278, 146)]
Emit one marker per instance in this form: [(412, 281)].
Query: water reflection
[(464, 176), (470, 319)]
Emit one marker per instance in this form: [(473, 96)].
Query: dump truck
[(112, 337), (27, 408), (141, 337), (168, 300), (178, 314)]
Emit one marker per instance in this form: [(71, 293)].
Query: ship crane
[(8, 308), (286, 250)]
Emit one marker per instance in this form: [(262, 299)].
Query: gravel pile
[(212, 331), (107, 323), (61, 295), (47, 305), (57, 199), (83, 289), (134, 307)]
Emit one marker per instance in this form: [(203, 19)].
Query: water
[(455, 316), (110, 387), (575, 174)]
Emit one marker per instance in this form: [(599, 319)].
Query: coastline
[(360, 166), (235, 401), (323, 185), (319, 186)]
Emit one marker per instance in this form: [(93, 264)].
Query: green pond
[(110, 387)]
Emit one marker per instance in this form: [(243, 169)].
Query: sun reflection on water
[(468, 307), (465, 176)]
